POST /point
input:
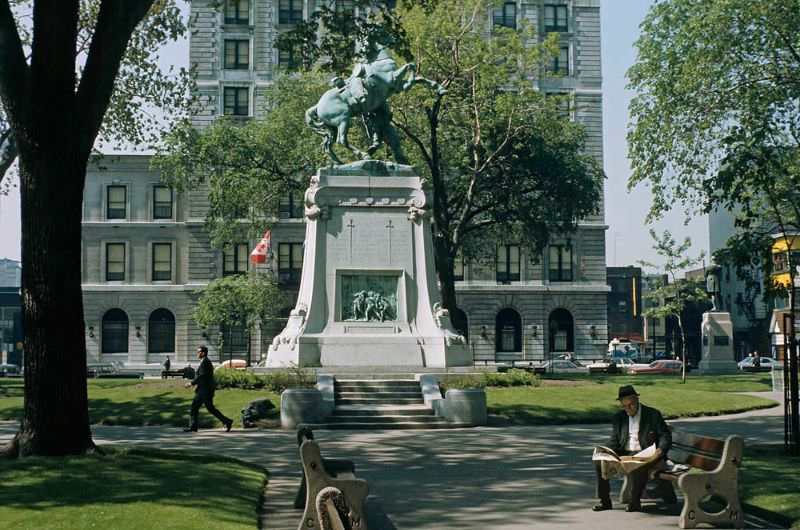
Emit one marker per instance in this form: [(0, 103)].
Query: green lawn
[(137, 402), (770, 480), (131, 488), (592, 399)]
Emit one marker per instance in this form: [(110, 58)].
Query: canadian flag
[(259, 254)]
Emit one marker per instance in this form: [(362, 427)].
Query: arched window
[(114, 334), (508, 331), (562, 333), (161, 331)]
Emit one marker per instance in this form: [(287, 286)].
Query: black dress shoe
[(189, 429), (603, 506), (633, 507), (228, 426)]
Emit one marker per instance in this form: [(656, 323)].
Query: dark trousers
[(637, 477), (208, 401)]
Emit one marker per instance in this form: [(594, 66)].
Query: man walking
[(204, 392), (634, 428)]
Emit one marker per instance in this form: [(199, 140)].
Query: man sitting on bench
[(634, 428)]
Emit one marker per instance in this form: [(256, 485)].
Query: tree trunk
[(55, 416), (683, 349)]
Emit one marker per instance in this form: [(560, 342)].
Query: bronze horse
[(364, 94)]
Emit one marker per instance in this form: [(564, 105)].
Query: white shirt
[(633, 444)]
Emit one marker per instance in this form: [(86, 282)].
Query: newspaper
[(613, 465)]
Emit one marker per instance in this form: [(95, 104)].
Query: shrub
[(276, 381), (513, 377)]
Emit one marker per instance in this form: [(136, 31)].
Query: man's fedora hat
[(625, 391)]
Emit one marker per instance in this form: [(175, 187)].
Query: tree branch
[(8, 151), (13, 68), (115, 24)]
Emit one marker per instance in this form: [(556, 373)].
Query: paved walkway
[(486, 478)]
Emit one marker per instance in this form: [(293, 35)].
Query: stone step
[(386, 425), (414, 394), (378, 410), (376, 400), (377, 386), (386, 418)]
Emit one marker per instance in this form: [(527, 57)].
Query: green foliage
[(276, 381), (713, 79), (248, 167), (147, 100), (239, 300), (126, 488), (513, 377)]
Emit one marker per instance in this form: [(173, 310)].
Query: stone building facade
[(519, 307)]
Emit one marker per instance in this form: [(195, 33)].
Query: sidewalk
[(486, 478)]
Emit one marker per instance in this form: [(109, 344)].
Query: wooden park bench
[(330, 494), (706, 471)]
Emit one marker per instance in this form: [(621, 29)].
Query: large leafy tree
[(146, 98), (55, 94), (500, 160), (716, 121)]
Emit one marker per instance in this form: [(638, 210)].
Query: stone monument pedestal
[(368, 293), (717, 333)]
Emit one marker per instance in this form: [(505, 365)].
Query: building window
[(115, 262), (291, 207), (162, 202), (237, 54), (161, 331), (114, 332), (560, 64), (286, 59), (458, 267), (508, 331), (622, 305), (236, 101), (290, 11), (235, 260), (555, 18), (345, 6), (560, 263), (290, 262), (162, 261), (237, 11), (116, 204), (508, 263), (506, 15)]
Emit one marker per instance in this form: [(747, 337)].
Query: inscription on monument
[(369, 298)]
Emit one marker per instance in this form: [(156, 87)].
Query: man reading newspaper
[(639, 441)]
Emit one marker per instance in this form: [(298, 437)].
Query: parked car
[(559, 367), (765, 364), (9, 370), (658, 367), (233, 363), (110, 371), (611, 366)]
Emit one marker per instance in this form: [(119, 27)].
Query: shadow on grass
[(135, 476)]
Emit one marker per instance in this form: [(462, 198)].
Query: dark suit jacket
[(204, 379), (652, 430)]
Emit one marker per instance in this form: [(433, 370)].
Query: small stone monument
[(717, 333), (368, 293)]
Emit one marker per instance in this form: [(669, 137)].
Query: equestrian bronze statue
[(365, 94)]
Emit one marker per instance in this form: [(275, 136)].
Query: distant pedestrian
[(204, 392), (167, 364)]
